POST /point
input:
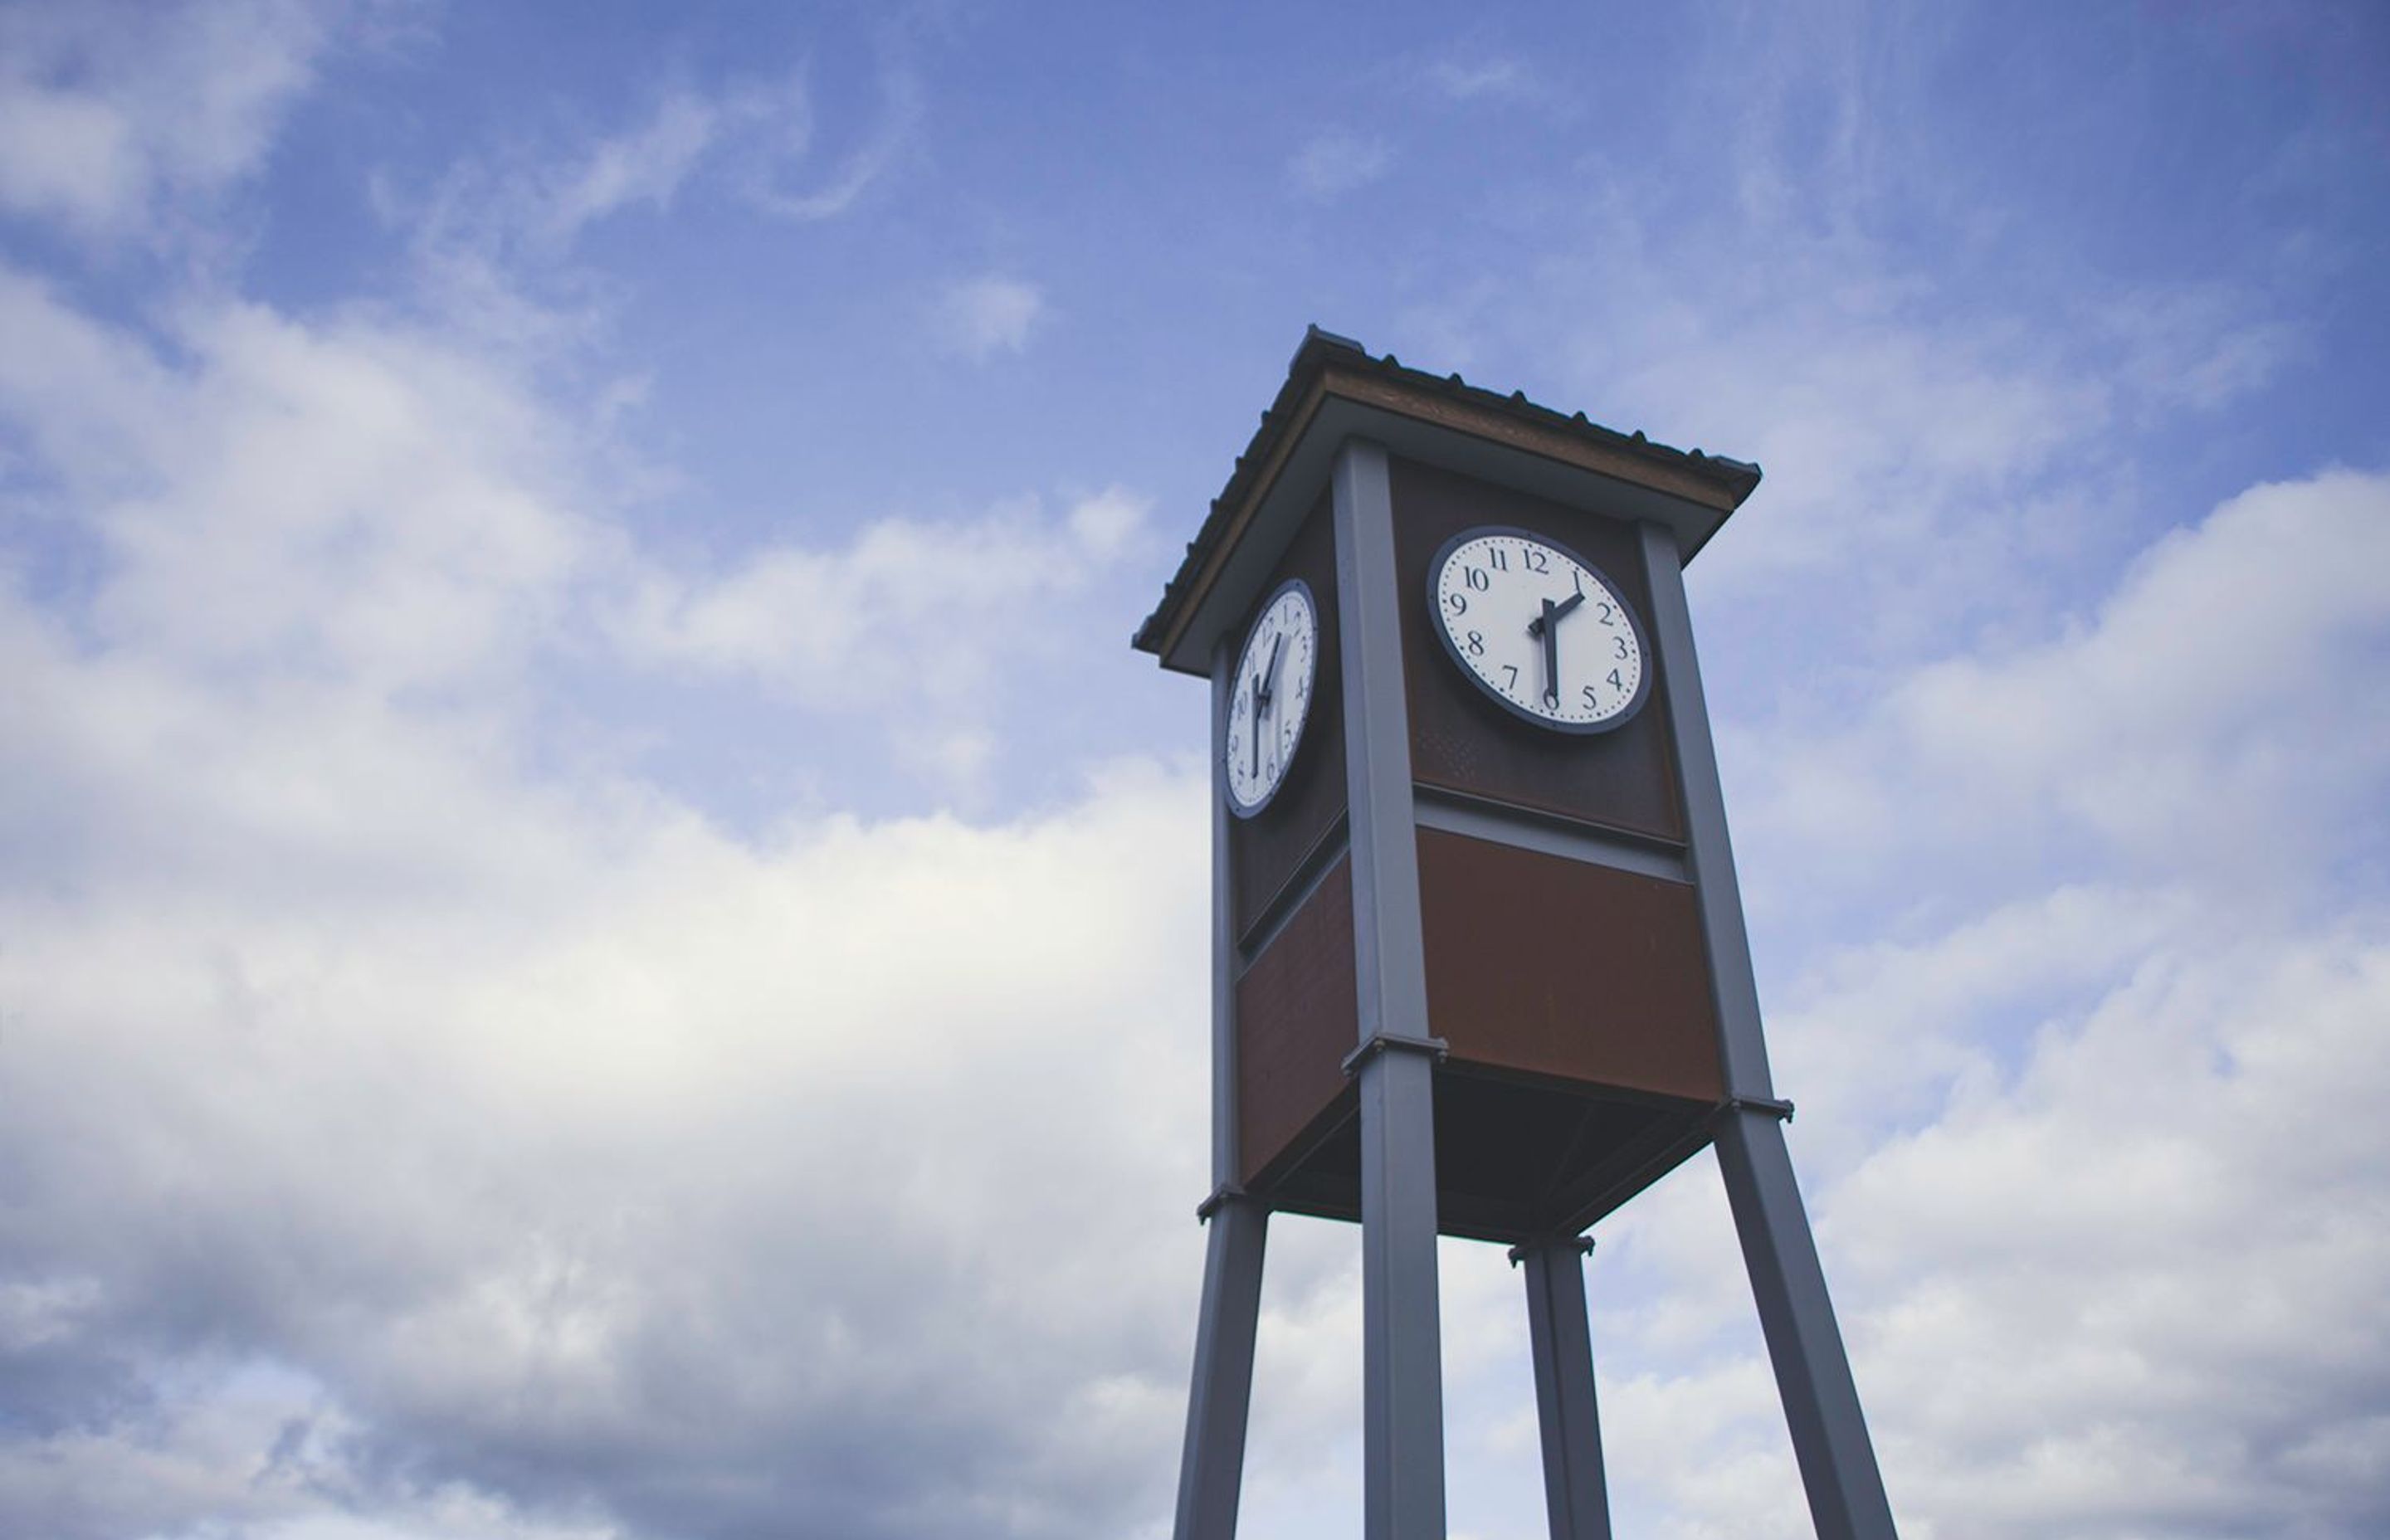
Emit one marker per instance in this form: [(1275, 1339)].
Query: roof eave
[(1334, 392)]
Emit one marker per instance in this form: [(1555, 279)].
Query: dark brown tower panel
[(1564, 969), (1461, 741), (1298, 1015)]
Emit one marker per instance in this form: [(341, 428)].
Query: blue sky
[(600, 935)]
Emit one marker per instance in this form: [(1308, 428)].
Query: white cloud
[(754, 134), (492, 229), (882, 618), (645, 165), (1480, 78), (1107, 521), (109, 113), (357, 500), (445, 1100), (762, 178), (1338, 161), (2163, 1204), (371, 505), (979, 318), (521, 1176), (2182, 728)]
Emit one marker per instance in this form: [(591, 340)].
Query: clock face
[(1271, 699), (1539, 629)]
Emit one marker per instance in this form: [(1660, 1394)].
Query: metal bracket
[(1221, 1194), (1389, 1042), (1583, 1244), (1774, 1106)]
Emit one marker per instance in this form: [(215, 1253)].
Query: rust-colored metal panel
[(1298, 1016), (1267, 850), (1559, 968), (1460, 739)]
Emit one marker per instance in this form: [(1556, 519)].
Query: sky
[(601, 937)]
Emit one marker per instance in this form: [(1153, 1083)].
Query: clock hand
[(1261, 705), (1265, 692), (1547, 626), (1261, 709), (1544, 626)]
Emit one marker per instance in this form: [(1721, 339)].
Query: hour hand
[(1261, 705), (1552, 613)]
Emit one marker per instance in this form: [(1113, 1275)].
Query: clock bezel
[(1244, 654), (1610, 724)]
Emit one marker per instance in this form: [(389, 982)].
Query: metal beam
[(1224, 1162), (1401, 1348), (1813, 1373), (1528, 828), (1709, 855), (1576, 1497), (1392, 969), (1211, 1463)]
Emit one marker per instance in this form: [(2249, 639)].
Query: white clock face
[(1538, 629), (1271, 699)]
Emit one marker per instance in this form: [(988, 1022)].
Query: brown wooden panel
[(1460, 739), (1553, 967), (1298, 1016), (1266, 850)]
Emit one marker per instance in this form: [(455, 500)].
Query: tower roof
[(1334, 390)]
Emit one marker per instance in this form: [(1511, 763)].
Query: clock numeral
[(1458, 603), (1614, 682), (1476, 643), (1608, 613), (1620, 643), (1512, 670), (1477, 578), (1498, 558), (1537, 561), (1591, 699)]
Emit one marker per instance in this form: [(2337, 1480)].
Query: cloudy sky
[(601, 938)]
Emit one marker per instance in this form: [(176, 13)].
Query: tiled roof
[(1729, 482)]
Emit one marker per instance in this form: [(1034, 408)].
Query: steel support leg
[(1575, 1496), (1402, 1357), (1813, 1375), (1211, 1466)]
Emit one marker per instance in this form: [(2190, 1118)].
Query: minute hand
[(1547, 626), (1264, 690)]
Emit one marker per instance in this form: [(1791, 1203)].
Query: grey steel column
[(1402, 1345), (1813, 1373), (1225, 1165), (1830, 1435), (1211, 1466), (1576, 1497)]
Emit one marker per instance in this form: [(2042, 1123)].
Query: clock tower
[(1479, 966)]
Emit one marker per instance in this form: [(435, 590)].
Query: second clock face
[(1539, 629), (1271, 699)]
